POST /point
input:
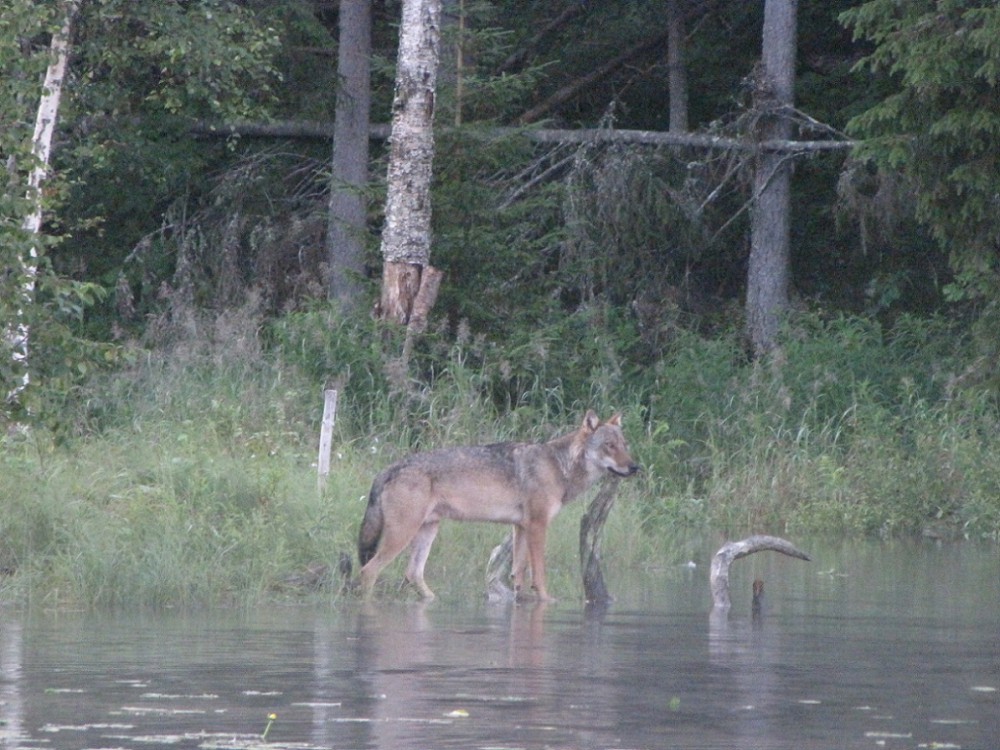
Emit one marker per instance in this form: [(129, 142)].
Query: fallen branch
[(732, 551), (313, 130)]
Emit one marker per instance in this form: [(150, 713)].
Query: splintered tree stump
[(409, 291), (732, 551), (591, 524), (400, 284)]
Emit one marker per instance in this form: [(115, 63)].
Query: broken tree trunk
[(517, 59), (406, 239), (732, 551), (306, 130), (591, 525)]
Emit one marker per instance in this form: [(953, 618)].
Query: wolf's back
[(371, 524)]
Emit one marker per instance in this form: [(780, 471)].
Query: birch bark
[(406, 237), (18, 332)]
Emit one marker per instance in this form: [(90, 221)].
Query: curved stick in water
[(731, 551)]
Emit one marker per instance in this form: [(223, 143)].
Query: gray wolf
[(524, 484)]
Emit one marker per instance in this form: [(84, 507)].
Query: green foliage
[(940, 126), (193, 482), (857, 429), (334, 352), (60, 361), (131, 61), (144, 73), (197, 59)]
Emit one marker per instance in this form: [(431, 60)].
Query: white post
[(326, 436)]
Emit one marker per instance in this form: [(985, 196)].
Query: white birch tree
[(18, 331), (409, 282)]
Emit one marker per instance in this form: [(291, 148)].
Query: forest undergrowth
[(188, 476)]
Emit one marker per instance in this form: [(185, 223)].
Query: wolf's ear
[(616, 419), (590, 420)]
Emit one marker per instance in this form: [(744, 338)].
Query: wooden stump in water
[(757, 606), (594, 589)]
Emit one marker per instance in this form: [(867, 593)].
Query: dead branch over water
[(732, 551)]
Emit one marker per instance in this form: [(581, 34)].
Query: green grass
[(188, 479)]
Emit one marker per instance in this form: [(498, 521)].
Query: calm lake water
[(868, 646)]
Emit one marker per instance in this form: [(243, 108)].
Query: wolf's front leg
[(536, 553), (519, 561)]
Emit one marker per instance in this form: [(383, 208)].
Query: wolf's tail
[(371, 525)]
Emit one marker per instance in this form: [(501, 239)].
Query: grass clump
[(188, 478)]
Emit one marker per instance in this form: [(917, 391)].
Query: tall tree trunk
[(18, 333), (768, 273), (676, 70), (406, 238), (345, 237), (460, 63)]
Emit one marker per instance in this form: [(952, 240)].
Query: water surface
[(869, 646)]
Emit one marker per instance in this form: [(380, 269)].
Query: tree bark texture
[(591, 525), (768, 272), (345, 238), (406, 238), (676, 70)]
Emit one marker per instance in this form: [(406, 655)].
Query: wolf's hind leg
[(393, 542), (420, 548)]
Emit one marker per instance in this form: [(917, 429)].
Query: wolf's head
[(605, 448)]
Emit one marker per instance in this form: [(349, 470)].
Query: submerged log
[(732, 551)]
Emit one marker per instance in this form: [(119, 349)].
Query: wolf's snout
[(627, 471)]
